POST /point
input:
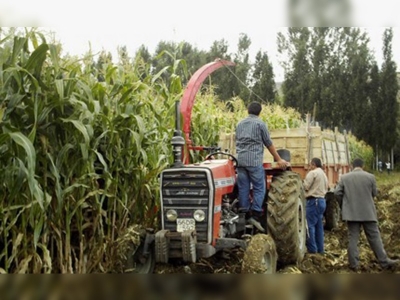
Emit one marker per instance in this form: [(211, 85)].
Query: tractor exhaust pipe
[(177, 141)]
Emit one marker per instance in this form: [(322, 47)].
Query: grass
[(387, 179)]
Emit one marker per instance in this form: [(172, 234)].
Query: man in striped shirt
[(251, 137)]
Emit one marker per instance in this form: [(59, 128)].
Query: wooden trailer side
[(337, 155), (297, 141)]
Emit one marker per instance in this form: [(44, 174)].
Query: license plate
[(185, 224)]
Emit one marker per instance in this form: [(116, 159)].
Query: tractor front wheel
[(139, 262), (260, 256)]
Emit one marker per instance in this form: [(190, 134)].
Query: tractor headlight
[(171, 215), (199, 215)]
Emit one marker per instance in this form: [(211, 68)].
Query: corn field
[(80, 157)]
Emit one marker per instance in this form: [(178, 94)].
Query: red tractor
[(199, 206)]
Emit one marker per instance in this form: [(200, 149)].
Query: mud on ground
[(335, 258)]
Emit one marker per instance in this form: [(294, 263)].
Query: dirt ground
[(335, 258)]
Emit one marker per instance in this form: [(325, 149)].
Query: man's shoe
[(354, 268), (390, 264), (256, 224)]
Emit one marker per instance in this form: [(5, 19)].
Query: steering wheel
[(233, 158)]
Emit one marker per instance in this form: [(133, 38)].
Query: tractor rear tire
[(332, 212), (286, 217), (260, 256)]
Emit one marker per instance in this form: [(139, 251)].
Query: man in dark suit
[(356, 191)]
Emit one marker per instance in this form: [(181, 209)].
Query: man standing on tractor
[(316, 187), (251, 136)]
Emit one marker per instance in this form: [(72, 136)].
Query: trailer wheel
[(286, 217), (332, 212), (260, 256)]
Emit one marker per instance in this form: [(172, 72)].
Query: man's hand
[(283, 164)]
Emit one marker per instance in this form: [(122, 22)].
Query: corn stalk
[(80, 158)]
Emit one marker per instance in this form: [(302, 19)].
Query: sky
[(105, 25)]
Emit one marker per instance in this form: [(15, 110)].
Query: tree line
[(330, 72)]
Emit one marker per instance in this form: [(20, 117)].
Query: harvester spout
[(177, 141), (189, 96)]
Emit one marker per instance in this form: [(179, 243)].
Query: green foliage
[(264, 80), (359, 149), (328, 68), (211, 118), (207, 122), (223, 117), (297, 87), (222, 81), (81, 147), (333, 69), (389, 90)]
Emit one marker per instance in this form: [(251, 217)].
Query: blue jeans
[(315, 209), (255, 176)]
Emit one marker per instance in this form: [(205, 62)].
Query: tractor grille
[(187, 190)]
